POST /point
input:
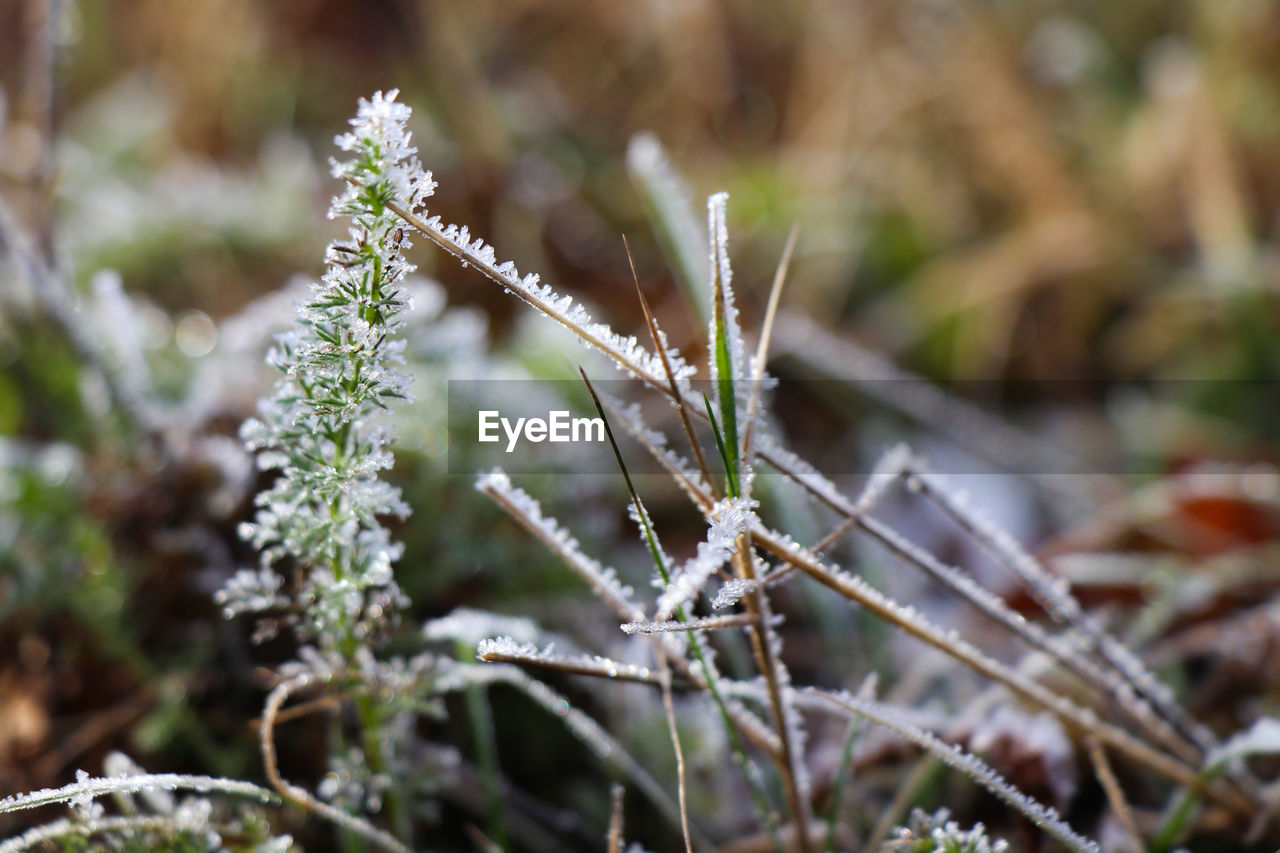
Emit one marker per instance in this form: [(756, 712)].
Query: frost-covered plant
[(324, 512), (936, 833), (1121, 708), (339, 369)]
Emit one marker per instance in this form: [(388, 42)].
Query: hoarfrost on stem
[(337, 366)]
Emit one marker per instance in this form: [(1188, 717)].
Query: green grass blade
[(730, 469)]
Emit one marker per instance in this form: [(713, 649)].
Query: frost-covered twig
[(507, 650), (972, 766), (727, 361), (1054, 595), (913, 622), (524, 509), (625, 352), (85, 789), (1106, 682), (709, 623)]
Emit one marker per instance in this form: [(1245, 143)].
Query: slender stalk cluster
[(338, 369)]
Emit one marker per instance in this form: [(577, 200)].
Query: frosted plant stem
[(1056, 598), (96, 787), (764, 646), (506, 650), (727, 364), (625, 352), (709, 623), (1072, 715), (266, 737), (524, 509), (1042, 816), (899, 462), (660, 559), (1104, 682)]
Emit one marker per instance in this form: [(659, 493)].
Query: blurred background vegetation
[(1013, 193)]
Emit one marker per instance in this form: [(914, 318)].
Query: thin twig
[(1056, 599), (275, 700), (1106, 776), (709, 623), (668, 707), (766, 335), (659, 345), (578, 665)]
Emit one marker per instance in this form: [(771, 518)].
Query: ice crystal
[(729, 518)]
